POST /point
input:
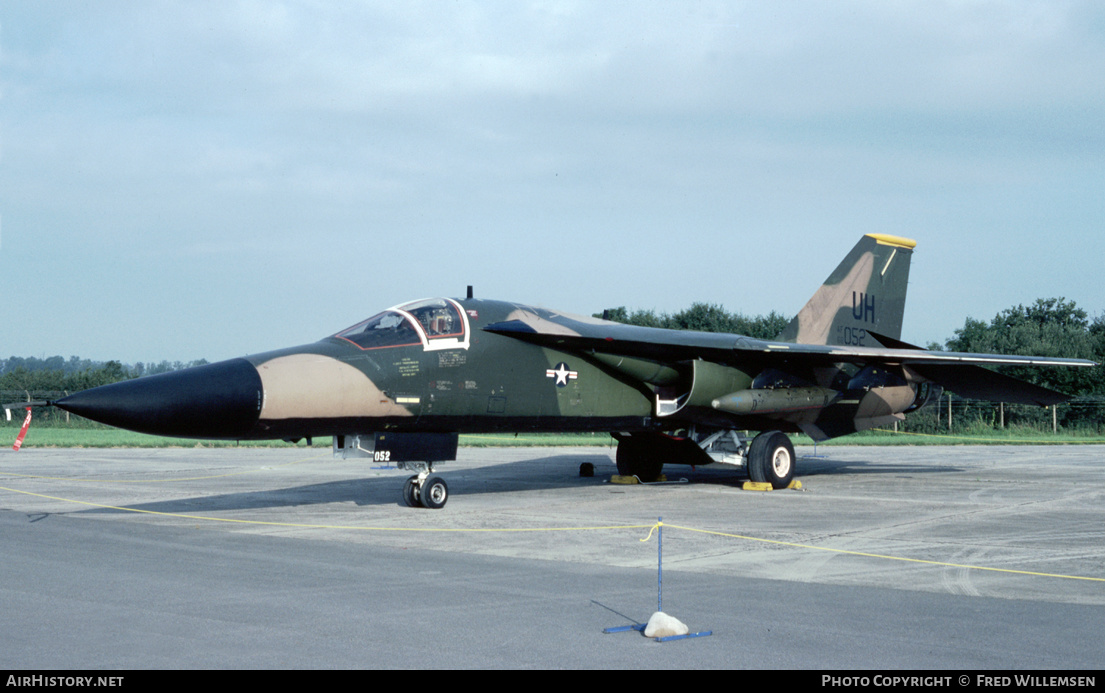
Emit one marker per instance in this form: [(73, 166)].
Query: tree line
[(703, 317), (57, 374), (1048, 327)]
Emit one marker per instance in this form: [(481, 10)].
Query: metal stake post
[(660, 566), (640, 627)]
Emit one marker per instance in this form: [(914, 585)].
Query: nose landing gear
[(425, 490)]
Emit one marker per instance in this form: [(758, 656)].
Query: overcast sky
[(206, 180)]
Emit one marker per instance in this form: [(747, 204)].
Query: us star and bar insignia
[(562, 374)]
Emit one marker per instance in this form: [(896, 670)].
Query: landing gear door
[(397, 447)]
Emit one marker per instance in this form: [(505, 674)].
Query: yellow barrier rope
[(886, 557)]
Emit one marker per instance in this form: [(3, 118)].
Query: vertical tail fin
[(865, 293)]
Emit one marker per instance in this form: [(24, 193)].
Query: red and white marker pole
[(23, 431)]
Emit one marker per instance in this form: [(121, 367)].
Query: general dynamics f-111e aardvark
[(401, 385)]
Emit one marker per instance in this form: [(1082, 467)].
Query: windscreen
[(388, 329)]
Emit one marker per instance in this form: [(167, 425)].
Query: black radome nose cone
[(220, 400)]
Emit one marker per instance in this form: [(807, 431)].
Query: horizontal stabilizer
[(975, 382), (891, 343)]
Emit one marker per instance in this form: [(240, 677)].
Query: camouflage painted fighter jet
[(400, 386)]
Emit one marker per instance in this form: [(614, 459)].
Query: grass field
[(62, 437)]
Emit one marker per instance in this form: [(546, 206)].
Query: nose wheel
[(425, 490)]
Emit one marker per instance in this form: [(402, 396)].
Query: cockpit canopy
[(433, 324)]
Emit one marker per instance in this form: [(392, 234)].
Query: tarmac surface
[(950, 558)]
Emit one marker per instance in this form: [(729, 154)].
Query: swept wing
[(959, 372)]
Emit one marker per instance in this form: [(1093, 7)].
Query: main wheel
[(771, 459), (636, 458), (410, 493), (434, 492)]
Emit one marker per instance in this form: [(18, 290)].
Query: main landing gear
[(425, 490), (769, 457), (635, 457), (643, 454)]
